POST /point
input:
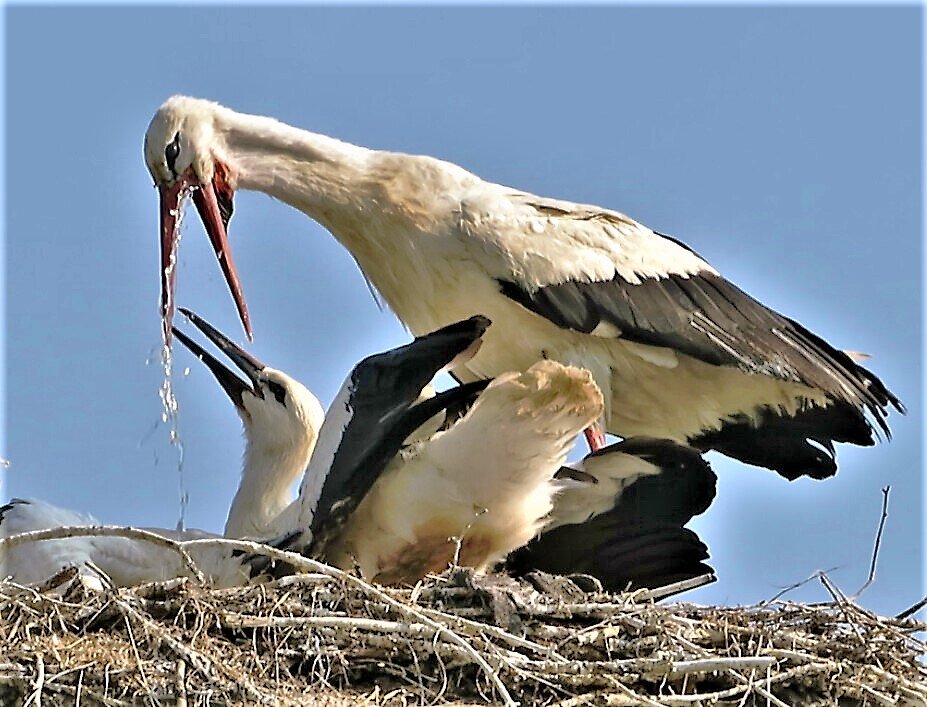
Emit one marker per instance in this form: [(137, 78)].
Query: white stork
[(402, 484), (680, 352), (281, 420), (452, 486), (400, 479), (125, 562), (621, 514), (374, 498)]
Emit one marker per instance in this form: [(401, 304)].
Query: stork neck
[(264, 491), (314, 173)]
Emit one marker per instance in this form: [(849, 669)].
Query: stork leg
[(595, 437)]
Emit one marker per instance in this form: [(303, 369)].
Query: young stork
[(402, 484), (125, 562), (281, 420), (626, 507), (680, 352), (636, 537), (370, 497)]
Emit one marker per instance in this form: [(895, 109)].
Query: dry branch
[(328, 633)]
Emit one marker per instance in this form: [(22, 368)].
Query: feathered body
[(679, 352), (124, 561), (476, 491)]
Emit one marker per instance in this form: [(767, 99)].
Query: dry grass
[(326, 638)]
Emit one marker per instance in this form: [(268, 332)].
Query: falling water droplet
[(169, 405), (170, 410)]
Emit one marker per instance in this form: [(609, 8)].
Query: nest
[(325, 637)]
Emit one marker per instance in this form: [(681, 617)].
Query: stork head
[(280, 416), (184, 152)]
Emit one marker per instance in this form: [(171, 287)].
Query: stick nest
[(330, 639)]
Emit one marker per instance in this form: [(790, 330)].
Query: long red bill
[(208, 207), (171, 197), (204, 197)]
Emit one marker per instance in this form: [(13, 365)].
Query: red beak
[(215, 220)]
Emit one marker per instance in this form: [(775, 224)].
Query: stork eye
[(171, 153), (278, 390)]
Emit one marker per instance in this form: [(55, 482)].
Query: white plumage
[(478, 490), (472, 491), (281, 419), (679, 352), (123, 561)]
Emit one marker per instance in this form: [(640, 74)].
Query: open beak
[(231, 384), (214, 203)]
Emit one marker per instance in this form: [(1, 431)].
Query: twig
[(878, 541), (674, 588), (875, 694), (912, 609), (485, 629), (652, 667), (717, 665), (197, 660), (709, 698), (80, 685), (785, 590), (301, 562), (101, 699), (158, 589), (636, 698), (842, 603), (138, 660), (895, 680), (36, 696), (83, 531)]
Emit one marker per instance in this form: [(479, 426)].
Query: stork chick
[(281, 421), (621, 514), (124, 562)]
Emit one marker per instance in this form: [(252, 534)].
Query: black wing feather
[(710, 319), (6, 508), (641, 541), (384, 390), (354, 474)]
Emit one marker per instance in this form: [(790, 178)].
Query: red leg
[(595, 437)]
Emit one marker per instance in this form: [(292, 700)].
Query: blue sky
[(783, 144)]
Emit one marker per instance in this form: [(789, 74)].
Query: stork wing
[(599, 272), (372, 416), (358, 465), (640, 541)]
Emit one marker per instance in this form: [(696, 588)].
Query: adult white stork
[(681, 352), (621, 515)]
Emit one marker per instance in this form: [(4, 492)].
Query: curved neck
[(392, 211), (313, 173), (264, 492)]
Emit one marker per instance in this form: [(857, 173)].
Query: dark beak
[(213, 201), (231, 384)]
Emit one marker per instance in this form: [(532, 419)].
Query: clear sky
[(782, 144)]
